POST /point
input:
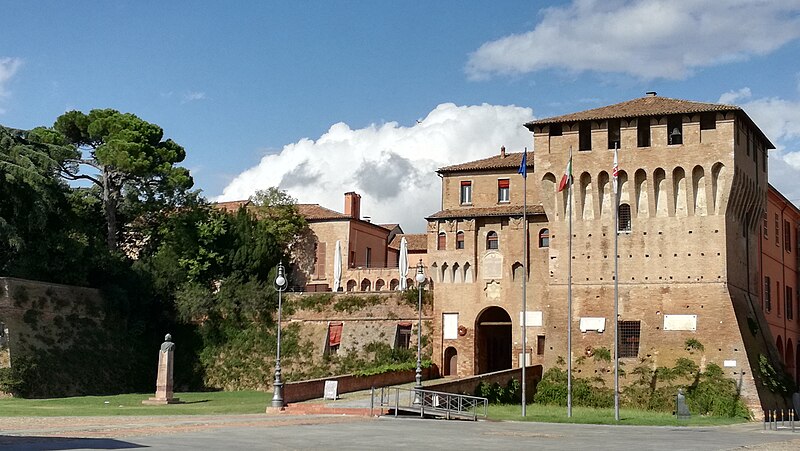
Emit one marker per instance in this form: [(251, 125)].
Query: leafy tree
[(47, 230), (122, 155)]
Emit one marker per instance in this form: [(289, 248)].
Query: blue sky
[(324, 97)]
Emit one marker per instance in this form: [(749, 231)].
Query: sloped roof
[(416, 241), (649, 105), (317, 212), (480, 212), (643, 106), (232, 206), (509, 161), (389, 227)]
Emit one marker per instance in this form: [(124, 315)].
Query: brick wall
[(315, 388)]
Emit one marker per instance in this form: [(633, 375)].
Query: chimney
[(352, 205), (651, 93), (502, 151)]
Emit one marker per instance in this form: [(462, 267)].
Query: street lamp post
[(420, 280), (277, 386)]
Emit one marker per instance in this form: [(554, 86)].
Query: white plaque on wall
[(729, 363), (595, 324), (450, 326), (532, 319), (492, 266), (680, 322), (527, 359)]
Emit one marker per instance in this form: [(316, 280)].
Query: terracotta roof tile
[(472, 212), (389, 227), (231, 206), (416, 241), (510, 161), (642, 106), (315, 211)]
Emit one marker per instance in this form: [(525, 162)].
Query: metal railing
[(441, 404), (779, 419)]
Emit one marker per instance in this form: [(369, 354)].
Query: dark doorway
[(493, 344), (450, 361)]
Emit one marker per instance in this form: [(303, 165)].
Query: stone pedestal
[(164, 393)]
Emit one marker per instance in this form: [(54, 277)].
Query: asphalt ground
[(312, 432)]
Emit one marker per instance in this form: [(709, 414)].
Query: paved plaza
[(312, 432)]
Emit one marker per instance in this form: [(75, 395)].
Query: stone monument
[(166, 356), (681, 409)]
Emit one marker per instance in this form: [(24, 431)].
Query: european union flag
[(523, 167)]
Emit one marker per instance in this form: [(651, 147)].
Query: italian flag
[(567, 178)]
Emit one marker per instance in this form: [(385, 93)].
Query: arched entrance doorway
[(493, 341), (450, 361)]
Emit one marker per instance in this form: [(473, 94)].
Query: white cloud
[(779, 119), (391, 166), (191, 96), (8, 68), (645, 38), (732, 97)]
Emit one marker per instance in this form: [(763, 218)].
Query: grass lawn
[(558, 414), (204, 403)]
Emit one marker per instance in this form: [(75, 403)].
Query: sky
[(321, 98)]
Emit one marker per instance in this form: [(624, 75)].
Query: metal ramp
[(430, 404)]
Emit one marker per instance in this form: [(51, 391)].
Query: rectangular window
[(675, 130), (767, 294), (613, 134), (319, 263), (789, 299), (540, 345), (441, 242), (585, 135), (708, 121), (460, 240), (334, 337), (503, 190), (643, 132), (766, 226), (624, 218), (777, 231), (466, 192), (629, 338), (555, 129), (402, 338), (749, 143), (778, 296), (369, 257), (787, 236)]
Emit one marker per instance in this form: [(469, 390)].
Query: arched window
[(491, 240), (441, 244), (544, 238), (460, 240), (624, 215)]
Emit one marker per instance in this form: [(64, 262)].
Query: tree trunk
[(110, 208)]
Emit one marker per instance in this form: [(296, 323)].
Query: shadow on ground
[(62, 443)]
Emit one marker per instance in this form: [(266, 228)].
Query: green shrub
[(497, 394)]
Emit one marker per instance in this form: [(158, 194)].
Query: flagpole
[(569, 291), (616, 285), (524, 170)]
